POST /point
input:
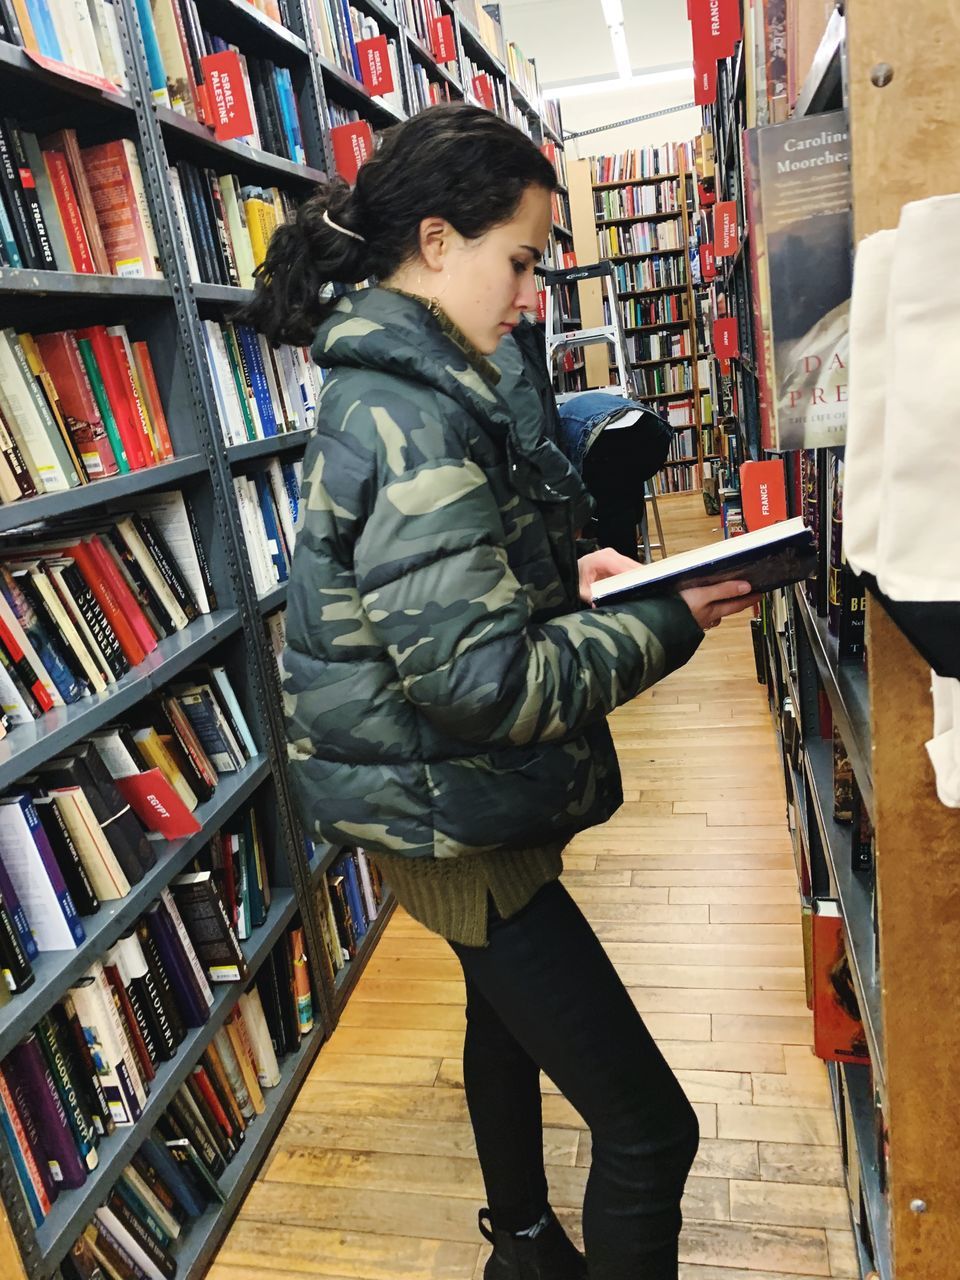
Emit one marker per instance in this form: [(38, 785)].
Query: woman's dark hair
[(456, 162)]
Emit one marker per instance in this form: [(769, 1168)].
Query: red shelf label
[(483, 91), (226, 95), (352, 144), (763, 489), (442, 42), (726, 339), (708, 263), (726, 241), (374, 55), (157, 805)]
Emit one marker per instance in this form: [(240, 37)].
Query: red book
[(202, 1081), (838, 1034), (116, 188), (157, 805), (128, 601), (115, 385), (136, 408), (89, 565), (68, 207), (148, 382), (63, 363), (65, 141), (131, 1026)]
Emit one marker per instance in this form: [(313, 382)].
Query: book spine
[(158, 1257), (53, 872), (18, 915), (68, 207), (79, 1119), (31, 199), (66, 1165), (134, 1024), (14, 962), (192, 1005), (161, 1167), (86, 1069), (166, 897), (16, 203)]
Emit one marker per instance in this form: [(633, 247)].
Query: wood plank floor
[(691, 887)]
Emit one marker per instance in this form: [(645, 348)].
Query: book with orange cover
[(68, 208), (116, 386), (838, 1034), (65, 142), (116, 187), (148, 383), (63, 363), (136, 401)]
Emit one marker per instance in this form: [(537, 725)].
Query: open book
[(772, 557)]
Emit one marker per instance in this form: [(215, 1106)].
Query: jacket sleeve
[(437, 588)]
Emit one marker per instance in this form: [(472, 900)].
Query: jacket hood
[(389, 332)]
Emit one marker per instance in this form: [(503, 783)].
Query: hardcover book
[(837, 1025), (770, 557)]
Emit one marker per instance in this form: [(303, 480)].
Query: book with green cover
[(103, 403)]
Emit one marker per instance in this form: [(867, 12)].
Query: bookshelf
[(655, 373), (895, 1113), (169, 313)]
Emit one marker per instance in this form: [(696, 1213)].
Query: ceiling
[(571, 43)]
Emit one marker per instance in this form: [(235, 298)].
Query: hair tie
[(344, 231)]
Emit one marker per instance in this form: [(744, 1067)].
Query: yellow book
[(39, 371), (154, 751), (261, 221)]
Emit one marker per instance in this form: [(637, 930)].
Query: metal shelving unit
[(168, 312)]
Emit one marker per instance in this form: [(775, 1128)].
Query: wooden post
[(11, 1264), (692, 324), (905, 145)]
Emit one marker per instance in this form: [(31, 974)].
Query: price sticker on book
[(352, 144), (442, 43), (227, 96), (375, 67)]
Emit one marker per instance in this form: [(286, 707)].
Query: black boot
[(547, 1256)]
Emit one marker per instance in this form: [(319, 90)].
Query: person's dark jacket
[(445, 691)]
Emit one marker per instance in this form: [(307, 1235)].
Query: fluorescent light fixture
[(612, 12), (621, 54), (613, 84)]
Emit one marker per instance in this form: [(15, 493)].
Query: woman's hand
[(599, 565), (709, 604)]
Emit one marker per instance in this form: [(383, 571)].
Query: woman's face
[(484, 284)]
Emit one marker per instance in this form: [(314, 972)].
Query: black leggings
[(544, 994)]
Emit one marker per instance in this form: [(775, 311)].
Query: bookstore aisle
[(692, 888)]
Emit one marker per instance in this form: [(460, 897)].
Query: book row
[(667, 308), (476, 15), (89, 1066), (226, 224), (261, 391), (640, 237), (683, 446), (73, 835), (76, 406), (558, 159), (650, 273), (677, 479), (658, 346), (665, 378), (635, 202), (78, 611), (419, 16), (64, 207), (340, 26), (177, 46), (426, 92), (643, 162), (522, 71), (83, 35), (560, 207), (349, 901), (268, 502)]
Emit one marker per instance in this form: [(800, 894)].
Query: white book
[(126, 1052), (227, 429), (99, 861), (263, 579), (366, 884), (12, 704), (101, 1031), (114, 754), (169, 512), (282, 503), (286, 358), (166, 897), (108, 42), (55, 568), (186, 235), (74, 639), (237, 225), (268, 1071), (128, 531), (28, 874), (172, 57), (225, 690), (126, 1240), (25, 421)]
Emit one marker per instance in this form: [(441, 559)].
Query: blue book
[(347, 867), (288, 109), (47, 648), (133, 1202), (167, 1169), (247, 340), (293, 488), (37, 877), (348, 28), (167, 941), (151, 47), (11, 252), (15, 907), (275, 540), (20, 1166), (44, 29)]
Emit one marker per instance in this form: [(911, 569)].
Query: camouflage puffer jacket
[(445, 691)]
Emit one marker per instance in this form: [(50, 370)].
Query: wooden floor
[(691, 886)]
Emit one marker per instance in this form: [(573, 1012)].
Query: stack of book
[(501, 105), (84, 37), (340, 26), (76, 406), (176, 44), (426, 92), (268, 502), (64, 207), (78, 611), (261, 390), (226, 224), (349, 900)]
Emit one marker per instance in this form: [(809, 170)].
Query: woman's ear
[(435, 236)]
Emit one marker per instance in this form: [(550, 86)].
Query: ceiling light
[(621, 54), (612, 12)]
